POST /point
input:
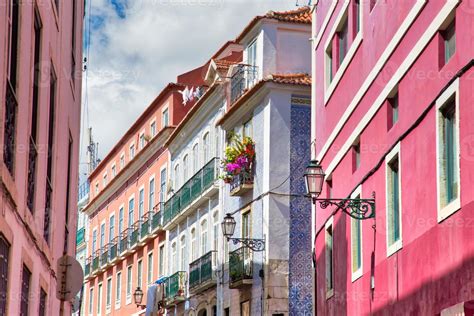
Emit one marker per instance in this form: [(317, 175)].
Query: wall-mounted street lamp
[(138, 297), (355, 208), (228, 228)]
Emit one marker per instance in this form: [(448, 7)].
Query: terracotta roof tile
[(297, 79), (301, 15)]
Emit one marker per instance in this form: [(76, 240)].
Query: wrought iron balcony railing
[(113, 249), (191, 190), (175, 287), (9, 138), (241, 183), (104, 256), (135, 233), (202, 271), (95, 261), (240, 267), (243, 79), (125, 240), (87, 267)]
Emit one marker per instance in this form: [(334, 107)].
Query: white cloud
[(133, 58)]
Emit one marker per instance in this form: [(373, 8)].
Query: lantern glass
[(228, 226), (138, 296), (314, 177)]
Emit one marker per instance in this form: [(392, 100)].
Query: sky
[(135, 47)]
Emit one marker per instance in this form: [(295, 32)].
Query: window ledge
[(342, 69), (393, 248), (449, 210)]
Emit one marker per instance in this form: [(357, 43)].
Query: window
[(151, 195), (131, 206), (4, 265), (132, 151), (94, 241), (449, 41), (196, 157), (165, 118), (42, 303), (227, 311), (9, 137), (162, 185), (342, 42), (174, 259), (118, 288), (329, 188), (122, 161), (393, 184), (129, 284), (91, 301), (33, 140), (329, 65), (182, 254), (392, 111), (246, 225), (114, 171), (102, 236), (96, 188), (141, 144), (139, 273), (447, 134), (25, 291), (203, 237), (185, 168), (329, 259), (252, 53), (356, 243), (161, 265), (104, 182), (99, 299), (111, 228), (355, 156), (215, 236), (153, 129), (193, 244), (120, 227), (176, 177), (206, 147), (141, 202), (150, 268), (356, 14), (108, 297), (248, 128)]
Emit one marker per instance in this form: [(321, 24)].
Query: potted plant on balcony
[(238, 163)]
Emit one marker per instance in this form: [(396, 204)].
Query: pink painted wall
[(23, 230), (435, 267)]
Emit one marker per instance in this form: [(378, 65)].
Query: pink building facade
[(392, 114), (40, 102)]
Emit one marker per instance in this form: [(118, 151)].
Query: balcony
[(113, 250), (240, 267), (157, 219), (125, 242), (87, 268), (104, 257), (95, 263), (191, 191), (134, 235), (241, 184), (202, 273), (80, 236), (10, 123), (243, 79), (175, 289)]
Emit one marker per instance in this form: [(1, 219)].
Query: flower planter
[(241, 184)]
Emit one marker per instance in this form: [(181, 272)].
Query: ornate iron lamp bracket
[(356, 208), (254, 244)]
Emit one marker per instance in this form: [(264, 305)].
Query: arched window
[(215, 238), (185, 168), (206, 147), (196, 157), (183, 253), (174, 259), (203, 237), (176, 177), (193, 244)]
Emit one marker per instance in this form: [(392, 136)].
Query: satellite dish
[(70, 278)]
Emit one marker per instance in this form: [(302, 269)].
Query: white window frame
[(131, 197), (142, 188), (100, 288), (182, 260), (391, 249), (90, 308), (153, 134), (165, 109), (104, 179), (113, 170), (455, 205), (118, 294), (122, 160), (152, 177), (336, 76), (358, 273), (115, 226), (130, 151), (201, 233), (194, 242), (149, 267), (140, 145), (329, 222), (139, 273), (162, 269), (128, 298), (108, 307), (174, 256)]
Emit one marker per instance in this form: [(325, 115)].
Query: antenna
[(92, 152)]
